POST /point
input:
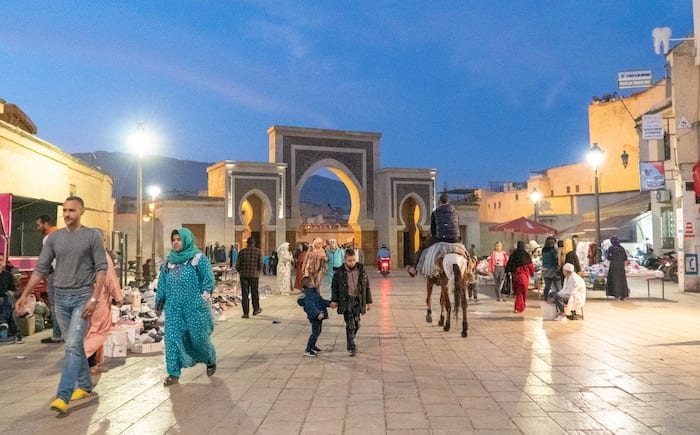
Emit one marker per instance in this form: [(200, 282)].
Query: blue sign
[(691, 264)]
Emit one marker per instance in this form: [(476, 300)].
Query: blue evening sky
[(481, 90)]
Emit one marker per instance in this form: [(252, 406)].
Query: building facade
[(39, 177)]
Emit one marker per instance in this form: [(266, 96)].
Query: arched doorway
[(255, 213), (410, 232), (345, 229)]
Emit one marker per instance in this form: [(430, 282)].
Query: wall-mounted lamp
[(625, 158)]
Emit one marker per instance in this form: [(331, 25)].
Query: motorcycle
[(668, 264), (651, 263), (384, 266)]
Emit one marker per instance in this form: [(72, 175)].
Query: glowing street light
[(595, 157), (138, 144), (536, 197)]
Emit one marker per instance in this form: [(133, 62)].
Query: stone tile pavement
[(629, 367)]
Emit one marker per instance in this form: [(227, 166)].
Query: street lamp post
[(595, 157), (154, 191), (138, 144), (535, 197)]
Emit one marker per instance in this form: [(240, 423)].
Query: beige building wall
[(613, 128), (685, 153), (216, 175), (33, 168), (202, 213)]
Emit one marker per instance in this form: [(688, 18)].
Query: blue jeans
[(69, 310), (56, 335), (7, 306), (316, 326), (548, 284)]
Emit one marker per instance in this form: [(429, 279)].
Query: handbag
[(550, 273)]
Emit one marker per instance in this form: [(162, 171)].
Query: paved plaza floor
[(629, 367)]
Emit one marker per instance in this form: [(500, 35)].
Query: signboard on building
[(684, 123), (634, 79), (689, 231), (691, 264), (652, 127), (652, 176)]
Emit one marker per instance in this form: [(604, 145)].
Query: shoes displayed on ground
[(79, 393), (59, 405), (310, 353), (171, 380), (50, 340), (211, 369), (258, 311)]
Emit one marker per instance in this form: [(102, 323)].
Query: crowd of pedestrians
[(83, 286)]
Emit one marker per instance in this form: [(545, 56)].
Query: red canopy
[(523, 225)]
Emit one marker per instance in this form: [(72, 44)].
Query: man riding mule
[(444, 227), (445, 239)]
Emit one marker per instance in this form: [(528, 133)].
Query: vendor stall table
[(648, 276)]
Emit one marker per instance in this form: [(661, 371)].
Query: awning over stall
[(522, 225)]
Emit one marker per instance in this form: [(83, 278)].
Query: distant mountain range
[(190, 177), (169, 174)]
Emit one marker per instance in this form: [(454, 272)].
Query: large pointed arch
[(346, 177)]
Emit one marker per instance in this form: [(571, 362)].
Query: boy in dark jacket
[(316, 309), (350, 293)]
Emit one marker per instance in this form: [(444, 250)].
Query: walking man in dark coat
[(248, 265), (350, 293)]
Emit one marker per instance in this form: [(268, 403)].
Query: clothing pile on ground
[(632, 269), (136, 326), (482, 268), (223, 299)]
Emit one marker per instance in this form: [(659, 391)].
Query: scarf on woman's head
[(520, 256), (188, 251)]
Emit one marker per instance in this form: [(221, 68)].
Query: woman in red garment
[(521, 269)]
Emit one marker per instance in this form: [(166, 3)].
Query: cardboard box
[(130, 333), (549, 311), (115, 351), (118, 337), (26, 325), (147, 347)]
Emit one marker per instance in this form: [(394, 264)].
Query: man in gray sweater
[(78, 277)]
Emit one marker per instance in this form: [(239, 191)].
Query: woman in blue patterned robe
[(185, 283)]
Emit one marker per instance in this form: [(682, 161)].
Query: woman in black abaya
[(617, 279)]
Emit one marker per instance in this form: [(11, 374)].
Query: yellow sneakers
[(79, 393), (59, 405)]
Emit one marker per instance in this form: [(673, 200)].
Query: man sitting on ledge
[(572, 295)]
